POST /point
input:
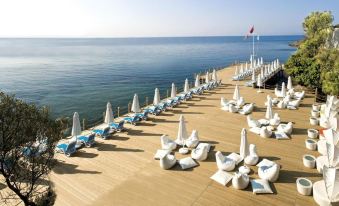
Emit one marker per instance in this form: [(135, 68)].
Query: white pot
[(304, 186), (312, 133), (311, 144), (315, 113), (314, 121), (309, 161), (316, 107)]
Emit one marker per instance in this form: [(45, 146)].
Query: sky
[(156, 18)]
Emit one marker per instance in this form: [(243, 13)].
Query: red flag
[(251, 30)]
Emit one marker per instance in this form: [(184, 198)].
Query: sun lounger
[(132, 120), (117, 126), (104, 133), (67, 149), (88, 141)]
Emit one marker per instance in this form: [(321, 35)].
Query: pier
[(121, 170)]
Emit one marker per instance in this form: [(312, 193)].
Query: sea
[(82, 74)]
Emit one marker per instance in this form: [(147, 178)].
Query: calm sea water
[(81, 75)]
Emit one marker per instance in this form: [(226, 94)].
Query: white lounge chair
[(193, 140), (252, 122), (265, 133), (270, 173), (246, 109), (252, 158), (281, 105), (299, 95), (167, 143), (276, 120), (286, 128), (240, 102), (167, 161), (240, 181), (232, 108), (223, 162), (200, 153)]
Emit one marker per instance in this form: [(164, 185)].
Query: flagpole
[(253, 45)]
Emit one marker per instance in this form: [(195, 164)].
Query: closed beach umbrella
[(246, 66), (156, 99), (214, 75), (109, 114), (269, 111), (135, 104), (173, 91), (261, 61), (76, 129), (253, 75), (259, 82), (283, 89), (186, 86), (236, 94), (262, 72), (236, 71), (197, 81), (331, 179), (207, 77), (289, 83), (244, 152), (182, 132), (241, 69)]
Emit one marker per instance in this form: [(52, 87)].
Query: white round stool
[(304, 186), (311, 144), (309, 161)]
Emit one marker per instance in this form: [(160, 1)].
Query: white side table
[(304, 186), (311, 144), (309, 161), (183, 150)]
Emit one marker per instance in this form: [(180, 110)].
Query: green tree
[(27, 141), (328, 60), (304, 66)]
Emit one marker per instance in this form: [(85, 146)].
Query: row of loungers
[(89, 140)]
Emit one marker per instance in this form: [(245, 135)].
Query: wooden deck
[(122, 171)]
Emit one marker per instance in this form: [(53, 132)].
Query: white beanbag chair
[(193, 140), (167, 143), (200, 153), (240, 181), (253, 158), (167, 161), (223, 162), (265, 133), (270, 173)]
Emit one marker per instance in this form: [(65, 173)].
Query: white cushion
[(161, 153), (260, 186), (280, 135), (235, 157), (265, 162), (222, 177), (187, 163)]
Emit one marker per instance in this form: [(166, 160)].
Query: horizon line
[(133, 37)]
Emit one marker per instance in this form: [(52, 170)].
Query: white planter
[(316, 107), (314, 121), (309, 161), (312, 133), (311, 144), (304, 186), (315, 113)]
